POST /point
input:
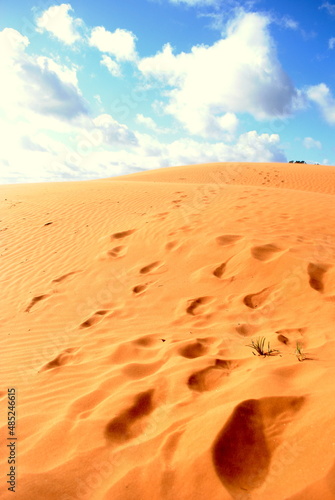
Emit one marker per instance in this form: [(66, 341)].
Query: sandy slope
[(127, 306)]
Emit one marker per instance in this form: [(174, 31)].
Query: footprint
[(150, 267), (172, 245), (126, 425), (283, 339), (194, 350), (146, 341), (292, 331), (117, 252), (64, 277), (266, 252), (94, 319), (246, 330), (160, 216), (35, 300), (255, 300), (244, 447), (62, 359), (316, 273), (122, 234), (211, 377), (195, 305), (331, 298), (219, 271), (228, 239), (285, 335), (139, 289)]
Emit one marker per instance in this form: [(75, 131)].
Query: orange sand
[(124, 326)]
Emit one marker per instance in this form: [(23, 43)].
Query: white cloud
[(148, 122), (65, 74), (46, 131), (321, 95), (27, 155), (250, 147), (39, 96), (47, 93), (114, 133), (310, 143), (120, 43), (112, 66), (36, 84), (289, 23), (329, 7), (12, 44), (57, 21), (238, 74), (331, 42)]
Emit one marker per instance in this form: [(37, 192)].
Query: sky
[(91, 90)]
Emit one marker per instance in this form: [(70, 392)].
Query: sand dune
[(127, 307)]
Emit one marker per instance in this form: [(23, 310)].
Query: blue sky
[(97, 89)]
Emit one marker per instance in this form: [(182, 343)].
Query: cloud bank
[(210, 84)]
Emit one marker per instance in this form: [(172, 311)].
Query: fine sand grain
[(127, 306)]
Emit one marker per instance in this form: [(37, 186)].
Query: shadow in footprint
[(194, 307), (64, 277), (246, 329), (284, 340), (62, 359), (228, 239), (124, 427), (146, 341), (150, 267), (211, 377), (139, 289), (35, 300), (194, 350), (255, 300), (117, 252), (243, 449), (316, 274), (93, 319), (122, 234), (266, 252), (172, 245), (219, 271)]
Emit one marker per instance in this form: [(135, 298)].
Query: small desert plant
[(258, 345), (299, 351)]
